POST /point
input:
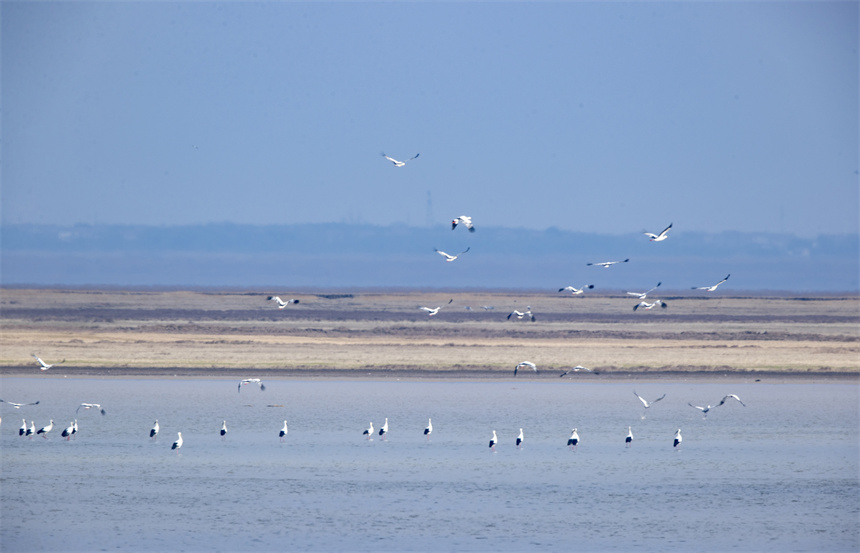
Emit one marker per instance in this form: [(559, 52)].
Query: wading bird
[(256, 381), (23, 429), (629, 439), (153, 434), (607, 264), (429, 429), (520, 438), (281, 303), (399, 163), (224, 430), (67, 432), (643, 295), (45, 429), (678, 438), (573, 441), (712, 288), (178, 443), (449, 258), (283, 433), (463, 220), (95, 406), (384, 430), (369, 431), (493, 441), (646, 306), (525, 364), (18, 405), (46, 366), (32, 430), (659, 237), (576, 291)]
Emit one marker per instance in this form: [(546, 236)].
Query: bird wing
[(413, 157), (658, 399), (392, 160), (642, 399), (464, 251), (443, 254), (665, 230), (696, 406)]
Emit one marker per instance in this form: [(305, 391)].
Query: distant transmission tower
[(429, 209)]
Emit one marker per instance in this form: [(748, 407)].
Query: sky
[(584, 116)]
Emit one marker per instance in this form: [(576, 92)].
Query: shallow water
[(778, 475)]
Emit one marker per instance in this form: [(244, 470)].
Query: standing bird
[(464, 220), (153, 434), (520, 314), (281, 303), (369, 431), (607, 264), (384, 430), (18, 405), (576, 291), (75, 431), (645, 305), (643, 295), (399, 163), (525, 364), (429, 429), (31, 430), (23, 429), (712, 288), (283, 433), (629, 439), (256, 381), (678, 438), (224, 430), (659, 237), (178, 443), (520, 438), (67, 433), (91, 406), (45, 366), (45, 429), (449, 258), (493, 441), (573, 441)]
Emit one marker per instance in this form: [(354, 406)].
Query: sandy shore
[(115, 333)]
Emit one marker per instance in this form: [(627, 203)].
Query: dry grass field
[(377, 334)]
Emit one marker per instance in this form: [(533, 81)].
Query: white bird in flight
[(431, 312), (520, 314), (711, 288), (643, 295), (91, 406), (645, 305), (705, 410), (525, 365), (46, 366), (463, 220), (398, 163), (646, 403), (659, 237), (18, 405), (575, 369), (607, 264), (281, 303), (576, 291), (256, 381), (449, 258)]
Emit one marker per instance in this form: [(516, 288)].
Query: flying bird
[(575, 369), (573, 441), (525, 364), (46, 366), (463, 220), (733, 396), (178, 443), (153, 434), (283, 433), (449, 258), (18, 405), (576, 291), (643, 295), (488, 307), (645, 305), (520, 314), (659, 237), (384, 430), (707, 408), (429, 429), (629, 439), (431, 312), (91, 406), (493, 441), (645, 402), (607, 264), (520, 438), (678, 438), (399, 163), (45, 429), (256, 381), (712, 288), (281, 303)]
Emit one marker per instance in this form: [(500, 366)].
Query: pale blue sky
[(605, 117)]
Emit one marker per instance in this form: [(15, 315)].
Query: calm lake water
[(780, 474)]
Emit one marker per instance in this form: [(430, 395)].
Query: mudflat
[(382, 334)]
